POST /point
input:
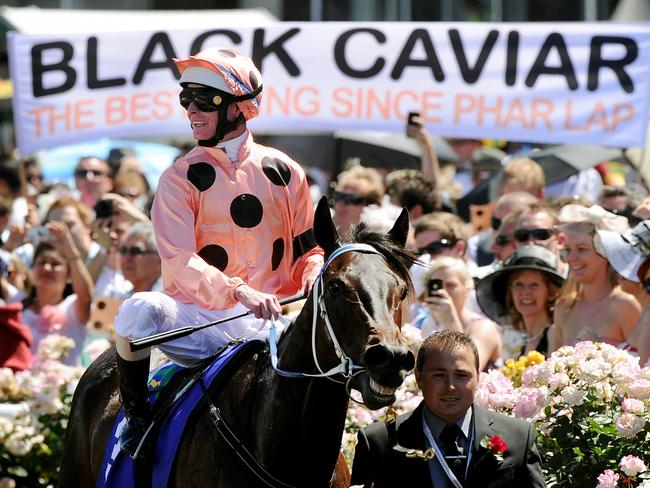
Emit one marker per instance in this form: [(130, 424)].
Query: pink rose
[(607, 479), (632, 465), (632, 405), (629, 425)]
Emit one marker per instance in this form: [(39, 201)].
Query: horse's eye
[(334, 287), (404, 293)]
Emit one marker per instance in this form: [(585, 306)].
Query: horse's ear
[(400, 231), (324, 230)]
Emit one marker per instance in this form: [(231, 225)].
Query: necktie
[(450, 440)]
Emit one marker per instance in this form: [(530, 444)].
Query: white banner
[(586, 83)]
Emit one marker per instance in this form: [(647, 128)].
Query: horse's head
[(361, 293)]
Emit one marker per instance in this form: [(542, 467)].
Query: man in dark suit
[(390, 454)]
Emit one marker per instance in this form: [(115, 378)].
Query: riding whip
[(170, 335)]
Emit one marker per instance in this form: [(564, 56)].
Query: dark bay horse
[(291, 426)]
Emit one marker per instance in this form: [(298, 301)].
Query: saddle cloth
[(118, 469)]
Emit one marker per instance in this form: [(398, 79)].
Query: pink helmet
[(235, 74)]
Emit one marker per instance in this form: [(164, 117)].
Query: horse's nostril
[(408, 361), (378, 355)]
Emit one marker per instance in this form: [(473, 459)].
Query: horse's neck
[(309, 414)]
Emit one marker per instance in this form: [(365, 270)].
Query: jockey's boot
[(133, 378)]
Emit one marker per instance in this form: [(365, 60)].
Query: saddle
[(175, 393)]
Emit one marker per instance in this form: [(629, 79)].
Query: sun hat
[(595, 215), (492, 290), (625, 252)]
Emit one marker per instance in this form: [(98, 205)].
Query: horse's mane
[(397, 257)]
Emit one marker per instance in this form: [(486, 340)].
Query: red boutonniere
[(495, 445)]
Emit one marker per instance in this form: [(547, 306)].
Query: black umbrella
[(387, 149), (561, 162)]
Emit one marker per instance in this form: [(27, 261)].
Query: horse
[(349, 327)]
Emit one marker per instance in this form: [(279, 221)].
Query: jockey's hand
[(309, 280), (263, 305)]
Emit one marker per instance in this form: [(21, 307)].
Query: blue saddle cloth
[(118, 469)]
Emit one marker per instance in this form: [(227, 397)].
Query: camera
[(104, 209), (36, 235), (411, 116), (433, 285)]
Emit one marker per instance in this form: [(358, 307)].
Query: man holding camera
[(233, 223)]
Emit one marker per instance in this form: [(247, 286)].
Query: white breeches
[(148, 313)]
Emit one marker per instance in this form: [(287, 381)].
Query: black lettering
[(596, 61), (39, 69), (342, 62), (91, 69), (197, 45), (158, 39), (431, 61), (512, 51), (472, 74), (260, 51), (554, 40)]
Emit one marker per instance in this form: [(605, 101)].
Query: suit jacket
[(375, 460)]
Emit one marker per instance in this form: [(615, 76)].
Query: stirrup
[(133, 437)]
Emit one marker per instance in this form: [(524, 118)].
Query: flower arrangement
[(31, 437), (514, 369), (591, 406)]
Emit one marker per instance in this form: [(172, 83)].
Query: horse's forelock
[(397, 257)]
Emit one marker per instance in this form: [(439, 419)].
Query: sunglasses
[(32, 178), (350, 198), (205, 99), (524, 235), (84, 173), (495, 222), (436, 247), (135, 251), (502, 240)]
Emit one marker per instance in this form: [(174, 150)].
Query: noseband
[(346, 367)]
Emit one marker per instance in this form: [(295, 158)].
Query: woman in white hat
[(591, 305), (520, 296)]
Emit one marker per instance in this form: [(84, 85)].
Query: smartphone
[(104, 209), (38, 234), (433, 285), (411, 116)]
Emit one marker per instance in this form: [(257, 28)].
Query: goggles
[(205, 99), (350, 198), (135, 251), (524, 235), (436, 247)]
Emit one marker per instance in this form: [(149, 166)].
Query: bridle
[(346, 366)]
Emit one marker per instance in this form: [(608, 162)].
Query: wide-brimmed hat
[(492, 290), (625, 252)]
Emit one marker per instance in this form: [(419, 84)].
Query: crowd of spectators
[(532, 275)]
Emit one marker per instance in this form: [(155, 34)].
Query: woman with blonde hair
[(447, 307), (591, 305)]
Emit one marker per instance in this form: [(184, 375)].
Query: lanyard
[(440, 456)]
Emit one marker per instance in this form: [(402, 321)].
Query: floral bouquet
[(591, 406), (38, 403)]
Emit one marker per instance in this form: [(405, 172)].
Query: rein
[(346, 367)]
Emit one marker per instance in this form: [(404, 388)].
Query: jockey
[(233, 225)]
